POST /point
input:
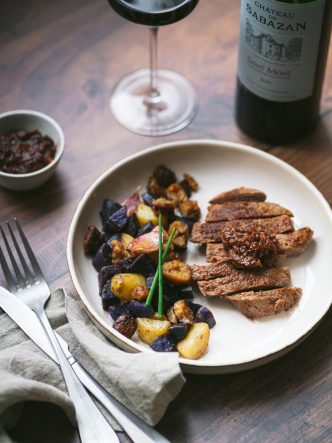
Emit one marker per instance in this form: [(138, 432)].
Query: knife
[(134, 427)]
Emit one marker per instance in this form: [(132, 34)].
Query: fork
[(91, 423)]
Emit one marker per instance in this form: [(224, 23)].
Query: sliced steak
[(239, 281), (294, 243), (239, 194), (243, 210), (212, 270), (255, 305), (211, 232)]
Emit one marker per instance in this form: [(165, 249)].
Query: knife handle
[(92, 425), (136, 428)]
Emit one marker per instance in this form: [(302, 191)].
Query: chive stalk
[(160, 270), (156, 276)]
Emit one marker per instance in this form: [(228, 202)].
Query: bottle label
[(278, 48)]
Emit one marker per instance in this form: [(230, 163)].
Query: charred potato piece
[(181, 235), (145, 214), (190, 209), (118, 251), (195, 344), (191, 181), (176, 193), (93, 239), (126, 239), (171, 316), (164, 176), (140, 293), (154, 188), (126, 325), (122, 285), (183, 313), (163, 203), (149, 329), (177, 272)]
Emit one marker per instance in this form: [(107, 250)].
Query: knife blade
[(136, 428)]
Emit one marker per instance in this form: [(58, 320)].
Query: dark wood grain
[(63, 58)]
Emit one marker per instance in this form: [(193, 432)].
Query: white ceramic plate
[(236, 343)]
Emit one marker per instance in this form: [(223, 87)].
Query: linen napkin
[(144, 382)]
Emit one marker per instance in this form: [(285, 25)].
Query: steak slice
[(239, 194), (255, 305), (211, 232), (294, 243), (212, 270), (239, 281), (242, 210), (290, 244)]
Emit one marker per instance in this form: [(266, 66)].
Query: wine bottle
[(282, 57)]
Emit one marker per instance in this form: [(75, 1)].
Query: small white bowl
[(28, 121)]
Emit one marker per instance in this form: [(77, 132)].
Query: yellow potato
[(146, 214), (196, 342), (126, 239), (148, 329), (122, 285)]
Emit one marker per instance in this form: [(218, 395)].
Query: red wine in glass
[(154, 101)]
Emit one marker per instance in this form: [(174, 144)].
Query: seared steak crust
[(239, 194), (211, 232), (239, 281), (294, 243), (243, 210), (255, 305)]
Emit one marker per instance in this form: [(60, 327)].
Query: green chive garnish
[(160, 270), (155, 279)]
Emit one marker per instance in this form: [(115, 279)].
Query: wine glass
[(153, 101)]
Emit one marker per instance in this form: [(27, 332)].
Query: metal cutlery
[(16, 308), (91, 423)]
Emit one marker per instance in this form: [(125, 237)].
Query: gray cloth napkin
[(144, 382)]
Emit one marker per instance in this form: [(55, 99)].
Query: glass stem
[(153, 47)]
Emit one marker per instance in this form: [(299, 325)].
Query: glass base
[(173, 110)]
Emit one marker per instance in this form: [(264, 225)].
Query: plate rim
[(192, 365)]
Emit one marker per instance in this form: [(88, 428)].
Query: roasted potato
[(149, 329), (177, 272), (146, 214), (196, 342), (190, 209), (126, 239), (118, 251), (122, 285), (191, 181), (176, 193), (181, 235), (183, 312)]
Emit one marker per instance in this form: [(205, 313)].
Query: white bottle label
[(278, 48)]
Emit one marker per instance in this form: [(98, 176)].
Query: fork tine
[(28, 249), (28, 276), (6, 272), (12, 259)]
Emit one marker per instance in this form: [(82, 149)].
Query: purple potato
[(117, 221), (103, 256), (139, 309), (107, 297), (108, 208), (142, 265), (148, 198), (185, 292), (116, 310), (145, 229), (149, 281), (178, 331), (132, 226), (205, 315), (195, 307), (185, 187), (164, 343), (106, 273)]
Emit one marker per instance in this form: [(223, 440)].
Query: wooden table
[(63, 58)]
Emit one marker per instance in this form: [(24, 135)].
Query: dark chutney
[(22, 152)]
